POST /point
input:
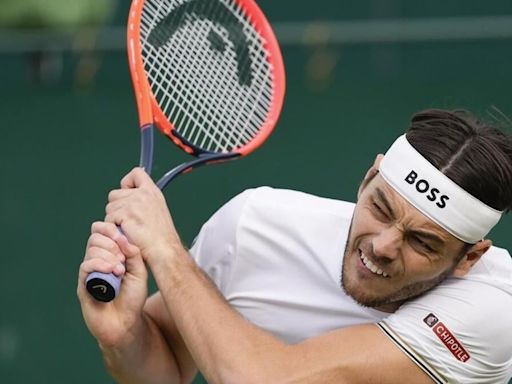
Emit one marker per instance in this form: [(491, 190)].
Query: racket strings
[(198, 87), (191, 113), (197, 114), (220, 125), (198, 101)]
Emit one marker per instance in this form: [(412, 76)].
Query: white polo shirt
[(276, 256)]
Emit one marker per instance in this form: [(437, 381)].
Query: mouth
[(372, 267)]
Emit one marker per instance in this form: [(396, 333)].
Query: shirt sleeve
[(214, 247), (460, 332)]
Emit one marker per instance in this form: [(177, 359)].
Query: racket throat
[(202, 159)]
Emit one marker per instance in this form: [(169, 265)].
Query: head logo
[(423, 186), (194, 10)]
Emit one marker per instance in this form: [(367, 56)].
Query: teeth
[(372, 267)]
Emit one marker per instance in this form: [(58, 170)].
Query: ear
[(471, 257), (370, 174)]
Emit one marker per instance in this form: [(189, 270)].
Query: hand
[(139, 208), (118, 321)]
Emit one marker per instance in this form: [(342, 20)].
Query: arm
[(226, 347), (156, 310), (135, 335), (157, 354), (146, 357)]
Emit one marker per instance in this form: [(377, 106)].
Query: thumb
[(135, 178), (134, 261)]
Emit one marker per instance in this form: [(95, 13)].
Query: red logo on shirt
[(450, 341)]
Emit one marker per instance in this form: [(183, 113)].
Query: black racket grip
[(103, 286)]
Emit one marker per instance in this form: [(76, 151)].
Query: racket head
[(208, 73), (140, 83)]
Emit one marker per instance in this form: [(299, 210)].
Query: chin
[(366, 299), (368, 293)]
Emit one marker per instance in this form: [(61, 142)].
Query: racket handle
[(103, 286), (106, 286)]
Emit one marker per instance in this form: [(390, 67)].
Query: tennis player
[(281, 286)]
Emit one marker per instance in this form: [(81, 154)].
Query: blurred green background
[(356, 72)]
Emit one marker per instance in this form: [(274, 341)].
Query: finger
[(94, 252), (114, 206), (134, 262), (99, 265), (104, 228), (118, 194), (112, 228), (115, 218), (132, 199), (109, 228), (96, 265), (126, 247), (136, 178), (100, 241)]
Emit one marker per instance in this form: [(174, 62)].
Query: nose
[(387, 243)]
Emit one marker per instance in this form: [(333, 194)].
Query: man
[(424, 297)]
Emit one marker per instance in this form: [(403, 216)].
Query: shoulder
[(261, 217), (461, 328), (291, 201), (288, 216), (267, 198), (494, 268)]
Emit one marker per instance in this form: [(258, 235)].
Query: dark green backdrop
[(63, 148)]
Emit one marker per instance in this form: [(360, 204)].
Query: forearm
[(225, 347), (145, 358)]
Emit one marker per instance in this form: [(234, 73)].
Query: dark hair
[(475, 155)]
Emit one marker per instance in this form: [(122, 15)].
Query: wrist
[(164, 253), (120, 355), (169, 265), (127, 340)]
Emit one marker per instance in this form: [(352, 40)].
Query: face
[(393, 251)]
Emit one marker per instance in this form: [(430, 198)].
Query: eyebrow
[(427, 235), (430, 236)]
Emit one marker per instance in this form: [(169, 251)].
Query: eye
[(379, 211), (418, 242)]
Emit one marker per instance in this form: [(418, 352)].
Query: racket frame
[(149, 111), (105, 287)]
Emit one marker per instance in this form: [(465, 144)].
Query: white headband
[(436, 195)]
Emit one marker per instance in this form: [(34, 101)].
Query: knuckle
[(96, 252), (90, 241), (111, 195), (95, 226), (108, 218), (113, 247), (139, 171)]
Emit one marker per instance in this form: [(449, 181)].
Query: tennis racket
[(209, 75)]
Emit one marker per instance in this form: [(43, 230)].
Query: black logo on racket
[(194, 9)]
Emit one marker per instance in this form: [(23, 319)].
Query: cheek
[(419, 268), (364, 224), (362, 220)]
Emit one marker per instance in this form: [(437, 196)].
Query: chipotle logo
[(444, 334)]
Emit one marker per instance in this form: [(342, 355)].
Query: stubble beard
[(395, 298)]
